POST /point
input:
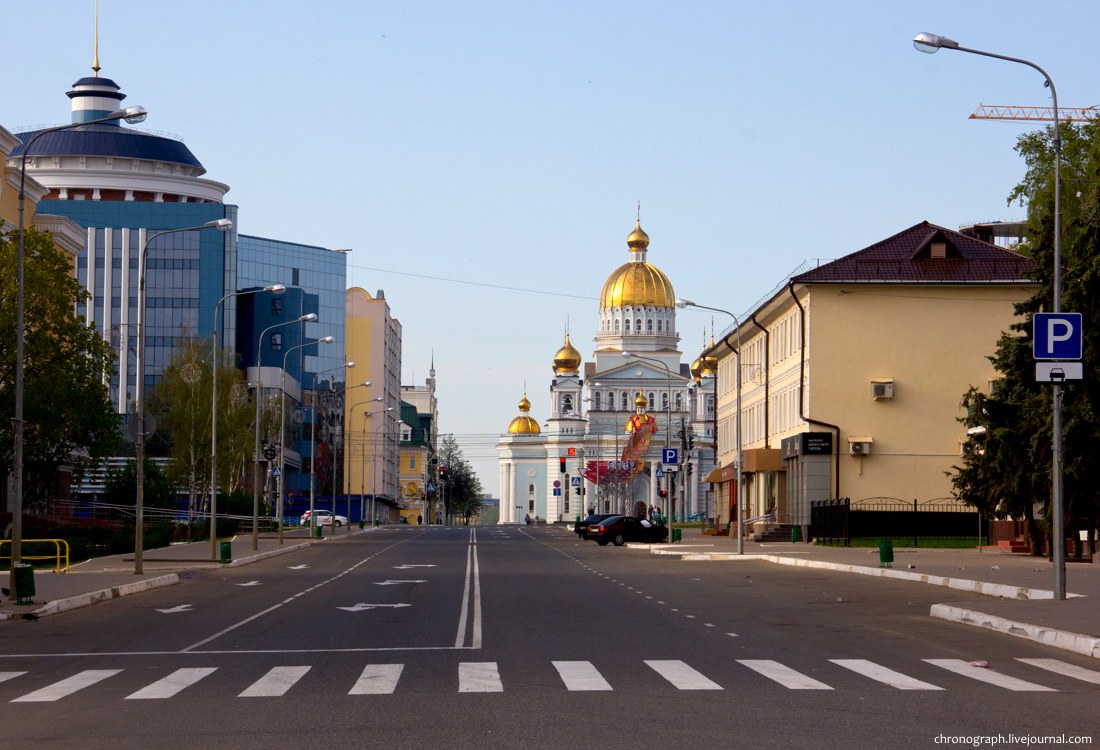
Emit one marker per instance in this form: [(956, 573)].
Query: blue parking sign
[(1057, 335), (670, 456)]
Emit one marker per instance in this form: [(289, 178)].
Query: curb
[(1065, 640), (83, 600)]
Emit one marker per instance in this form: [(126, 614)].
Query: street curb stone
[(1075, 642)]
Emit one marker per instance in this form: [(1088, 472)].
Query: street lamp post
[(132, 115), (139, 394), (313, 443), (282, 428), (307, 318), (682, 303), (214, 362), (931, 43)]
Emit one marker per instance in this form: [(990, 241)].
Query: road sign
[(670, 456), (1057, 335), (1058, 372), (660, 473), (276, 471), (430, 487), (575, 481), (557, 492)]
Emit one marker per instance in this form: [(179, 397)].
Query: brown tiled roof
[(907, 258)]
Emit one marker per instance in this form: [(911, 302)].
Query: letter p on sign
[(1057, 336)]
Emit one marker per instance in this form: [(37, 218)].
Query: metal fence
[(839, 521)]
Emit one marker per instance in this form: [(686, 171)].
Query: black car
[(622, 529), (581, 527)]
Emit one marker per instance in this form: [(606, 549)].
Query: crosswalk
[(581, 676)]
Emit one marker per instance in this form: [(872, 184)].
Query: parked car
[(619, 530), (581, 527), (323, 518)]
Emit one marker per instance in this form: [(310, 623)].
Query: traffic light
[(662, 493), (442, 472), (561, 464)]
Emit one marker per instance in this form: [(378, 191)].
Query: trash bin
[(677, 535), (317, 532), (24, 583), (226, 551), (796, 534), (377, 522), (886, 554), (362, 523)]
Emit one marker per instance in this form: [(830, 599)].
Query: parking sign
[(1057, 335), (670, 456)]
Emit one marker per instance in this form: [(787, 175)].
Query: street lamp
[(132, 115), (313, 442), (282, 427), (931, 43), (214, 362), (307, 318), (682, 303), (668, 429), (222, 225)]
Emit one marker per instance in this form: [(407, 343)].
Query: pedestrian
[(527, 519)]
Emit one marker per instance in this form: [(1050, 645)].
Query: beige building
[(372, 414), (852, 375), (419, 421)]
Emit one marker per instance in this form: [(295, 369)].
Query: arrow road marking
[(298, 567), (360, 607), (391, 582), (250, 583), (407, 566), (180, 608)]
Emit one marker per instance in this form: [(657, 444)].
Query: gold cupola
[(637, 283), (524, 424), (568, 360)]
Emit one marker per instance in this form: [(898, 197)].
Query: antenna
[(95, 58)]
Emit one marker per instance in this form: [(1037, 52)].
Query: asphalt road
[(526, 637)]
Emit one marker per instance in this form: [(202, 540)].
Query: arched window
[(626, 401), (652, 400), (596, 400), (616, 325), (664, 401), (679, 402), (626, 325), (567, 404), (638, 325), (649, 325), (659, 322)]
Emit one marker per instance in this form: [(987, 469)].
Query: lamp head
[(222, 225), (326, 339), (931, 43), (275, 288), (308, 318), (132, 115), (349, 364), (682, 303)]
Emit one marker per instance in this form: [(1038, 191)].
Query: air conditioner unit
[(882, 389), (966, 448), (859, 446)]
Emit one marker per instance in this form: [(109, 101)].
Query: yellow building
[(852, 375), (372, 414)]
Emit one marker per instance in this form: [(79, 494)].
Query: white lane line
[(681, 675), (68, 686), (984, 674), (1062, 668), (275, 683), (10, 675), (784, 675), (460, 637), (172, 684), (884, 675), (479, 677), (475, 637), (580, 676), (378, 679)]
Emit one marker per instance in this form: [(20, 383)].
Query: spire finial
[(95, 58)]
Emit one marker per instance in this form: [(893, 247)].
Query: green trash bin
[(377, 522), (796, 534), (886, 554), (24, 583), (362, 523), (317, 532), (226, 551), (677, 534)]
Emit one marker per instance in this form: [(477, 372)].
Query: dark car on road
[(622, 529), (581, 527)]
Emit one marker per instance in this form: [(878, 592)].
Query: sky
[(486, 160)]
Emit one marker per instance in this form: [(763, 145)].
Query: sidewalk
[(111, 577), (1013, 592)]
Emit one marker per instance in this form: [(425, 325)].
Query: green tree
[(68, 416), (463, 491), (1011, 473), (120, 487)]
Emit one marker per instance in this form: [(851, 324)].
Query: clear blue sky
[(501, 148)]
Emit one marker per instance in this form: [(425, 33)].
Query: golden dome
[(568, 360), (637, 283), (523, 424), (697, 369), (640, 401)]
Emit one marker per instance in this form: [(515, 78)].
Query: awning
[(725, 473)]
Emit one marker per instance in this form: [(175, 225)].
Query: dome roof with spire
[(524, 424), (568, 360), (637, 283)]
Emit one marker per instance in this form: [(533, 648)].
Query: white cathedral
[(604, 445)]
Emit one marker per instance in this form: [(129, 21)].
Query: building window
[(276, 342), (567, 404), (276, 307), (649, 325), (412, 463), (664, 401), (626, 402), (596, 403), (638, 325), (626, 325)]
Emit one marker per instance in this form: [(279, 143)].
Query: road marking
[(1062, 668), (250, 583), (479, 677), (681, 675), (580, 675), (172, 684), (407, 566), (297, 567), (361, 606), (378, 679), (68, 686), (392, 582), (176, 609), (473, 581), (784, 675), (882, 674), (983, 674), (10, 675), (275, 683)]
